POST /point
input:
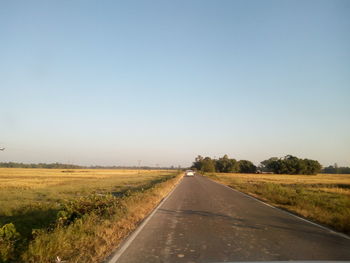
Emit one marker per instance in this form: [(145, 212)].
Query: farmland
[(324, 198), (58, 212)]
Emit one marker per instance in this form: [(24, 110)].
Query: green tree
[(198, 163), (291, 165), (312, 167), (225, 164), (208, 165), (269, 164), (245, 166)]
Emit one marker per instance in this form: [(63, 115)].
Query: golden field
[(22, 187), (56, 211), (324, 198)]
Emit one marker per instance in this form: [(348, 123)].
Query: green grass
[(321, 198), (52, 209)]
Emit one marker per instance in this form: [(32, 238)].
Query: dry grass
[(23, 178), (92, 239), (324, 198), (20, 187), (32, 198), (334, 179)]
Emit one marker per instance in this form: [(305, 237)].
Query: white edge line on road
[(286, 212), (134, 234)]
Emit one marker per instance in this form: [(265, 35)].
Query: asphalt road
[(203, 221)]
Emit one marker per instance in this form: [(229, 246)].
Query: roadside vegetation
[(334, 169), (77, 215), (290, 165), (285, 165), (324, 198), (40, 165), (74, 166), (223, 165)]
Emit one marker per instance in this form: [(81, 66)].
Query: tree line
[(285, 165), (223, 165), (336, 170), (74, 166), (40, 165)]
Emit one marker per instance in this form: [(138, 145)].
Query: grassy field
[(324, 198), (62, 212)]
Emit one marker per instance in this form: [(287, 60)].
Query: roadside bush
[(8, 238), (101, 205)]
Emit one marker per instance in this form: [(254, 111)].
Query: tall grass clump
[(8, 238)]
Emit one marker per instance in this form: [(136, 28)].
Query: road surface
[(203, 221)]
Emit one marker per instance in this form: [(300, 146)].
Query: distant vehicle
[(189, 173)]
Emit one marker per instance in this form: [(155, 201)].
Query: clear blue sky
[(113, 82)]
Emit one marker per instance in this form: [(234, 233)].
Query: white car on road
[(189, 173)]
